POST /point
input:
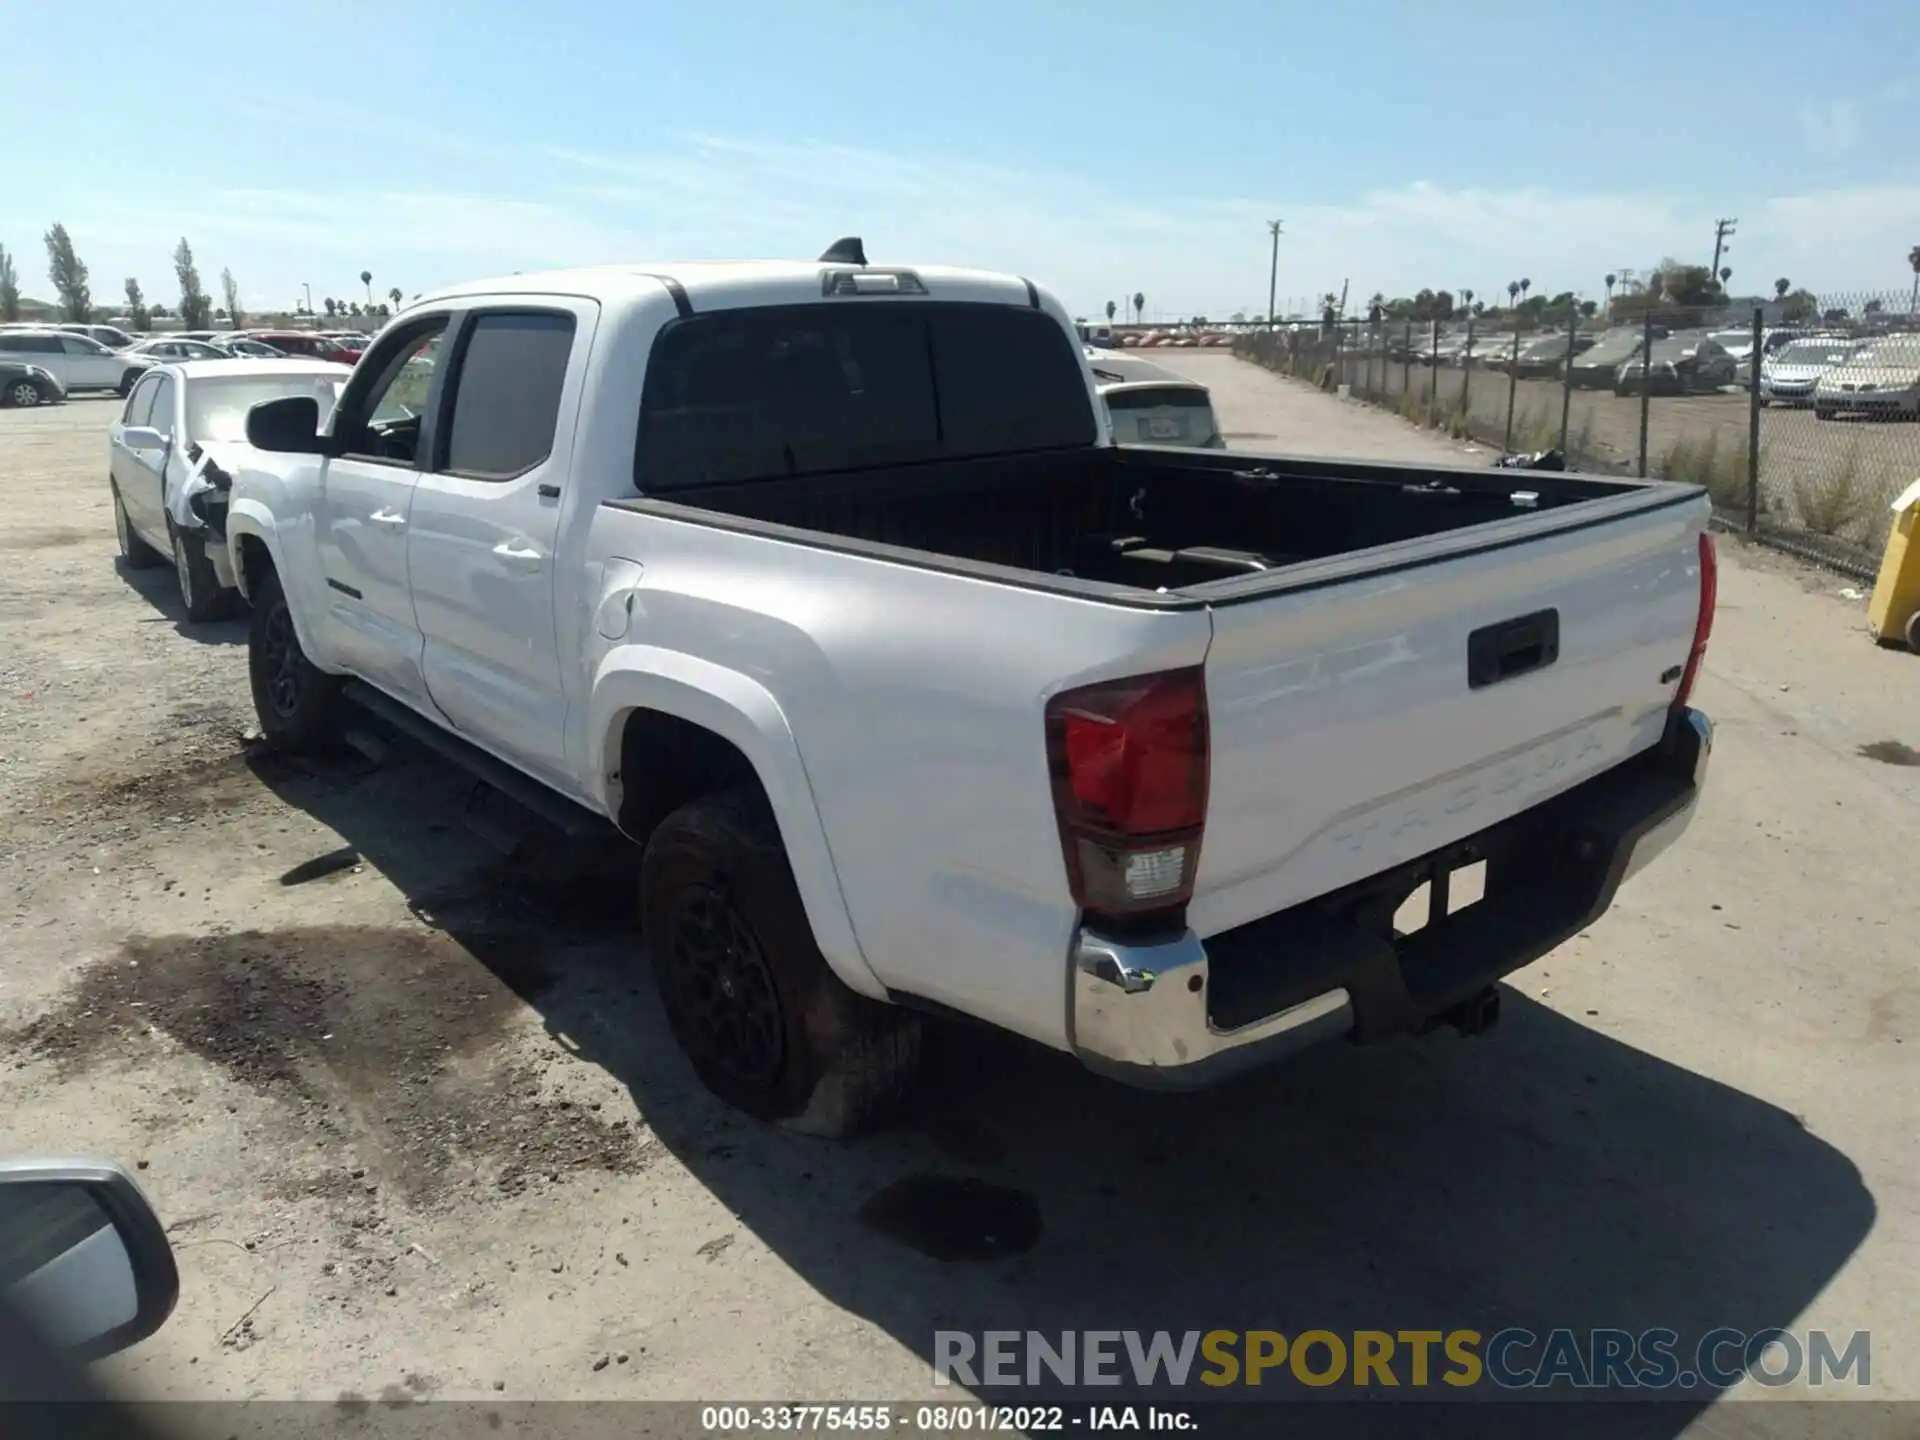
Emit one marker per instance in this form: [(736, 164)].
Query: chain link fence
[(1802, 427)]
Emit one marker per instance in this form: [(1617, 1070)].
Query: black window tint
[(31, 344), (506, 401), (1009, 380), (1161, 398), (793, 391), (807, 389)]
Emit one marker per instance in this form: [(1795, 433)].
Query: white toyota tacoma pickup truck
[(825, 583)]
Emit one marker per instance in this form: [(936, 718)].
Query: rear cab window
[(740, 395)]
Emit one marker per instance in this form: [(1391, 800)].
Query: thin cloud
[(1832, 129), (1091, 236)]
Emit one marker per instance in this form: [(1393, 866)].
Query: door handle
[(516, 552), (1513, 647), (384, 516)]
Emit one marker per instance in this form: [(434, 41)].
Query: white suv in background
[(76, 361), (111, 336)]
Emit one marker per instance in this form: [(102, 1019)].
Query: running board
[(576, 822)]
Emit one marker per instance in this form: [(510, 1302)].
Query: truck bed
[(1155, 521)]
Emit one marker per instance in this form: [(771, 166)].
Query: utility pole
[(1273, 275), (1721, 230)]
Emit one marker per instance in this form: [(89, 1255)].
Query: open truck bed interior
[(1152, 519)]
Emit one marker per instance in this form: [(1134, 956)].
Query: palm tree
[(394, 296), (366, 279), (1726, 274), (1111, 307), (1913, 259), (1139, 306), (1612, 280), (1780, 288)]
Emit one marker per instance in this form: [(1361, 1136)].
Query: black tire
[(201, 592), (768, 1027), (1820, 414), (25, 393), (128, 380), (297, 704), (135, 553)]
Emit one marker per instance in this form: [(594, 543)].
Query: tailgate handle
[(1512, 647)]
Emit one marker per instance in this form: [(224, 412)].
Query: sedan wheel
[(23, 393)]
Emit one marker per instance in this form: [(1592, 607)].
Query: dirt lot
[(415, 1123)]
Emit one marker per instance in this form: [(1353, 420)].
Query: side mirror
[(287, 426), (142, 437), (83, 1258)]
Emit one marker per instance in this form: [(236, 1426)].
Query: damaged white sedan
[(172, 455)]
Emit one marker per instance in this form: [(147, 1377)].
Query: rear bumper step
[(1179, 1013)]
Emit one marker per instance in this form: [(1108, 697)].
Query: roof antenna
[(846, 251)]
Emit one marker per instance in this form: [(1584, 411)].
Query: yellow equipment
[(1893, 615)]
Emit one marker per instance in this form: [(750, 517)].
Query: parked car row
[(73, 362), (1684, 363), (45, 364), (1878, 378), (1835, 374)]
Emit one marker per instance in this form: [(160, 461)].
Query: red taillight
[(1129, 763), (1703, 623)]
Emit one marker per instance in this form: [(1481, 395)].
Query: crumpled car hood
[(228, 457)]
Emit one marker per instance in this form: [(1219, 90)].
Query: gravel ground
[(413, 1119)]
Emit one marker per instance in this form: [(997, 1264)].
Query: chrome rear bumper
[(1142, 1012)]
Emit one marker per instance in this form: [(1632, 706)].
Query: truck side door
[(382, 427), (480, 545)]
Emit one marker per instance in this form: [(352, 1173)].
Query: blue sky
[(1100, 149)]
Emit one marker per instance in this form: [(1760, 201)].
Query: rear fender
[(743, 712)]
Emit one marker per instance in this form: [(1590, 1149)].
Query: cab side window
[(506, 402), (381, 421)]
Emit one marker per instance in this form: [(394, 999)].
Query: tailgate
[(1353, 730)]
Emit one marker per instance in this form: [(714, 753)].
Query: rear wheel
[(768, 1027), (23, 393), (135, 552), (296, 702), (1822, 414), (201, 592)]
